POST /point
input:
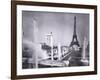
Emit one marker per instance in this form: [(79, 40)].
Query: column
[(59, 51), (35, 38), (84, 49), (51, 43)]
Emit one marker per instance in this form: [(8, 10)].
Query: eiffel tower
[(74, 39)]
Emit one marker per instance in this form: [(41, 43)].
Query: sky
[(36, 25)]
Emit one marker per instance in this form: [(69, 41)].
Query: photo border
[(14, 38)]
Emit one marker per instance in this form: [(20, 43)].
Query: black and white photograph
[(54, 39)]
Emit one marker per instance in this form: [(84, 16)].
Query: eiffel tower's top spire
[(74, 25)]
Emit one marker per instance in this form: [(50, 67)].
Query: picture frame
[(78, 26)]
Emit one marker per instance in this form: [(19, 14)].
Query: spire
[(74, 25)]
